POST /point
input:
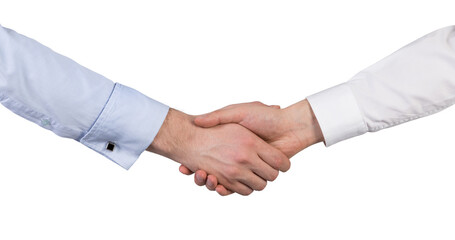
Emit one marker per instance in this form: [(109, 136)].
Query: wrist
[(304, 123), (175, 132)]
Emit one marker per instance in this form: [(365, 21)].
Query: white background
[(197, 56)]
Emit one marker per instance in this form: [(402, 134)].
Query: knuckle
[(257, 103), (241, 160), (241, 157), (248, 141), (233, 172)]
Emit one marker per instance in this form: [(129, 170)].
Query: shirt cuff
[(337, 113), (126, 126)]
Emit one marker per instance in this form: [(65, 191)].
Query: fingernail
[(198, 178)]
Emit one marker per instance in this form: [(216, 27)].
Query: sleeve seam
[(35, 117), (424, 114)]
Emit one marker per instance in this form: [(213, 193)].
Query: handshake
[(237, 148)]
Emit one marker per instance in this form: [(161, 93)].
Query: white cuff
[(126, 126), (338, 114)]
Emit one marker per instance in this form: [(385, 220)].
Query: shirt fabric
[(119, 122), (72, 101), (415, 81)]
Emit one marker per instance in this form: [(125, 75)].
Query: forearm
[(415, 81), (175, 133)]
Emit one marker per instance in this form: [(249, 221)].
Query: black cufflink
[(110, 146)]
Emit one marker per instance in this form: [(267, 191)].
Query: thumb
[(207, 120), (222, 116)]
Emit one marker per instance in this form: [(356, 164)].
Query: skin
[(236, 157), (290, 130)]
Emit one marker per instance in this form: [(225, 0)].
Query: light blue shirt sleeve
[(72, 101)]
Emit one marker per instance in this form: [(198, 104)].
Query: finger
[(200, 177), (241, 189), (253, 181), (239, 184), (185, 170), (211, 183), (220, 189), (264, 170), (221, 116), (272, 156), (275, 106)]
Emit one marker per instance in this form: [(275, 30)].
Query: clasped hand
[(237, 148)]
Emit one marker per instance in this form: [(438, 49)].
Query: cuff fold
[(126, 126), (338, 114)]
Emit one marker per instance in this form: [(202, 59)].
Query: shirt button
[(45, 122)]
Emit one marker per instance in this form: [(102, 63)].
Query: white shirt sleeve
[(415, 81), (72, 101)]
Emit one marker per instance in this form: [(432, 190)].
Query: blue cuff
[(126, 126)]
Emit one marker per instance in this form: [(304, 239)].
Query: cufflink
[(110, 146)]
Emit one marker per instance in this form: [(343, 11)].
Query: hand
[(290, 130), (239, 160)]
